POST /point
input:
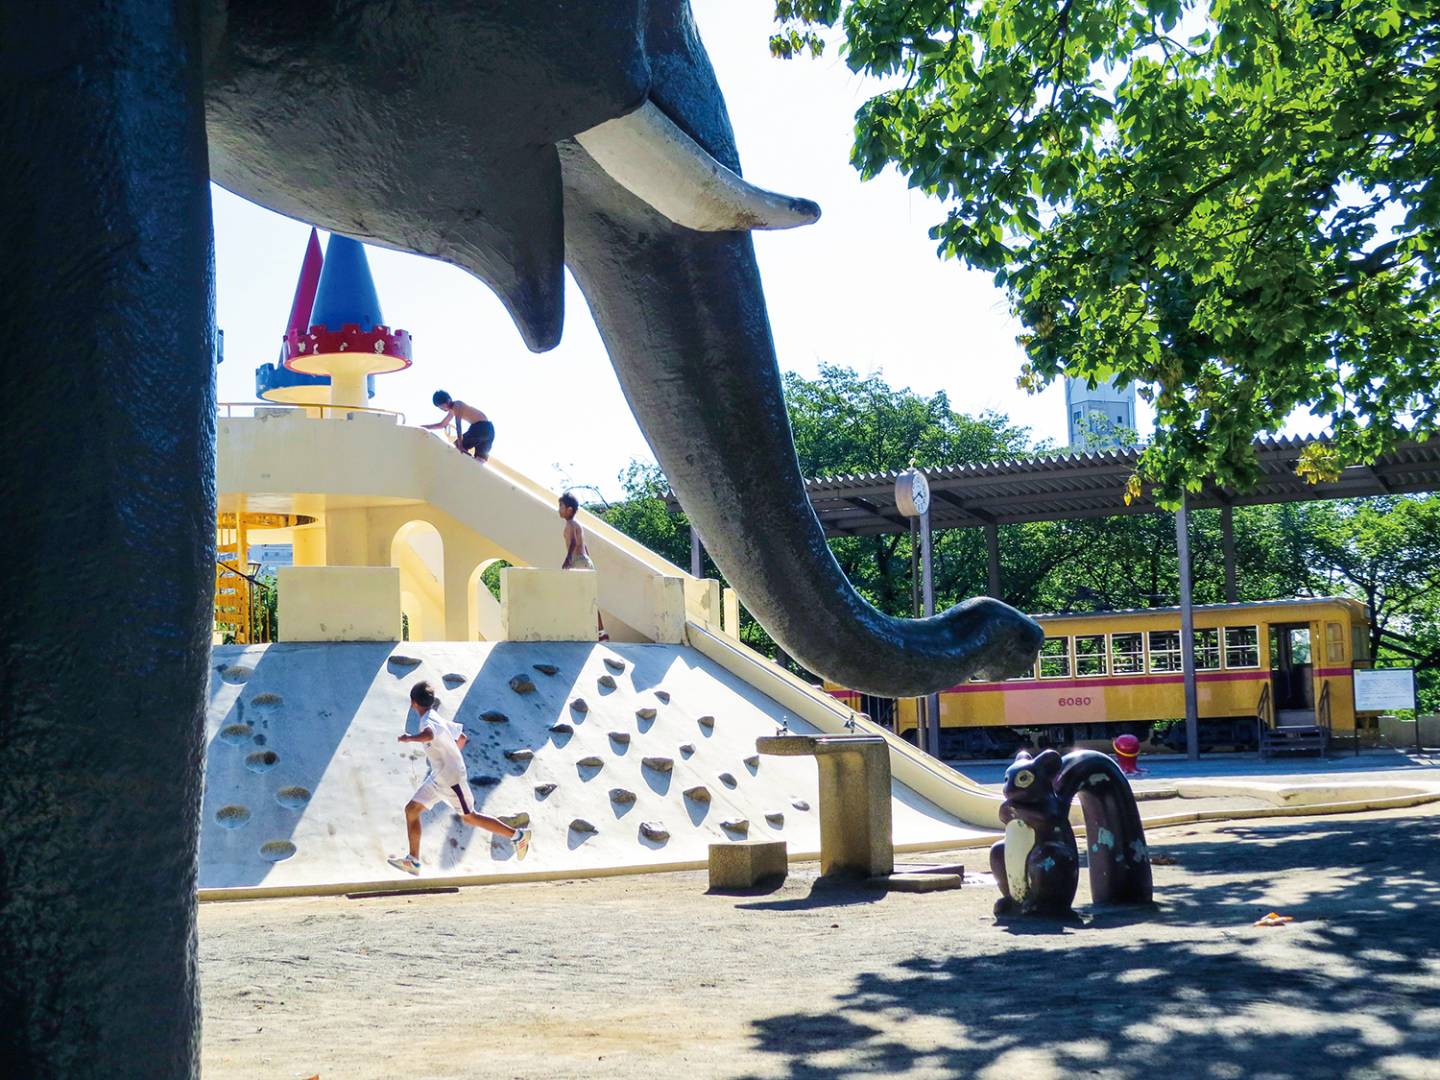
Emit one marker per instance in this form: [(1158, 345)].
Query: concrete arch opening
[(418, 552), (484, 600)]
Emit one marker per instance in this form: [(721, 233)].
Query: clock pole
[(927, 586), (912, 498)]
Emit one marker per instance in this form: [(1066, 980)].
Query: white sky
[(863, 288)]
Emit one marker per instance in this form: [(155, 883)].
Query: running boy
[(445, 782), (478, 437), (577, 555)]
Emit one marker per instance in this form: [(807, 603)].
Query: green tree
[(1387, 553), (848, 424), (1232, 203)]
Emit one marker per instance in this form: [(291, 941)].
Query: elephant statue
[(510, 137)]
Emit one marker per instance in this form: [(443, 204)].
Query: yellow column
[(347, 388), (308, 545)]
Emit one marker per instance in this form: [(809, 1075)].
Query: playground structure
[(628, 757)]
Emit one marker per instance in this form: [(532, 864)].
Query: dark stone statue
[(512, 138), (1037, 865)]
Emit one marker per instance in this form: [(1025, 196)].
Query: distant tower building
[(1097, 417)]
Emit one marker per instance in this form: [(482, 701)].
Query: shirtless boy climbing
[(477, 438)]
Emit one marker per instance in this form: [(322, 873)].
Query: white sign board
[(1384, 689)]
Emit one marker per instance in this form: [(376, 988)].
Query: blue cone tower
[(347, 340)]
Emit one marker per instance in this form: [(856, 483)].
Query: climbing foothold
[(607, 681), (614, 665), (621, 796), (699, 793), (546, 669), (658, 764), (521, 754), (579, 706), (646, 713), (491, 716), (522, 684)]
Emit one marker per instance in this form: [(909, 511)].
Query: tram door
[(1290, 667)]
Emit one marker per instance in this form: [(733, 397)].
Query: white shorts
[(457, 796)]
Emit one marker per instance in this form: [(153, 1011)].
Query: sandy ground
[(651, 977)]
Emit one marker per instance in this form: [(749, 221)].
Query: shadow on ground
[(1351, 988)]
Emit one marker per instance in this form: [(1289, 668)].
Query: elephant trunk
[(683, 316)]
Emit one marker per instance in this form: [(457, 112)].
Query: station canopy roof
[(1059, 487)]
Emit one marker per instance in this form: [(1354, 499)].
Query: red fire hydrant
[(1127, 753)]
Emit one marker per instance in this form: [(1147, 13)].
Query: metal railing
[(1323, 718), (225, 408), (1264, 718), (257, 627)]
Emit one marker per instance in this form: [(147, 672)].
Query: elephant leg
[(107, 554)]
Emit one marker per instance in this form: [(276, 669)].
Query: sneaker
[(406, 863), (521, 840)]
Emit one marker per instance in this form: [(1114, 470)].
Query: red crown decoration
[(321, 340)]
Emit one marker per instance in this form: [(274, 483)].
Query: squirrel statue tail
[(1119, 860)]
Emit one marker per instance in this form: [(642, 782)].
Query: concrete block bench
[(747, 863)]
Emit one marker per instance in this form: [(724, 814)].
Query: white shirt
[(447, 764)]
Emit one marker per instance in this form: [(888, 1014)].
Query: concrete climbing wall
[(624, 756)]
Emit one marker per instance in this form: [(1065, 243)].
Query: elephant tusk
[(648, 155)]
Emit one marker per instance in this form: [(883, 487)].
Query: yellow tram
[(1287, 663)]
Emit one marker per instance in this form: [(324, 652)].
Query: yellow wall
[(665, 621), (702, 601), (338, 603), (547, 605), (731, 622)]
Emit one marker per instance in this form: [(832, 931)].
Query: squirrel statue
[(1037, 865)]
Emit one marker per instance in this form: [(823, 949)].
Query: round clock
[(912, 493)]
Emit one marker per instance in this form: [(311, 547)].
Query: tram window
[(1207, 649), (1165, 650), (1055, 658), (1242, 646), (1089, 654), (1334, 642), (1359, 643), (1127, 654)]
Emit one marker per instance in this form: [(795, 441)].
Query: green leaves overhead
[(1232, 203)]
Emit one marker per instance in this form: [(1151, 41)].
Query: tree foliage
[(1232, 203)]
